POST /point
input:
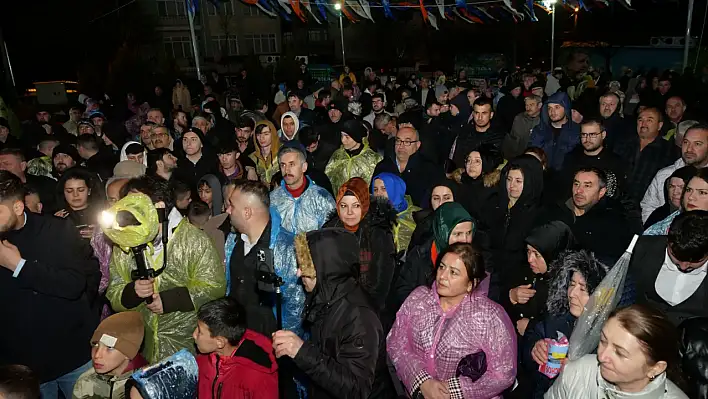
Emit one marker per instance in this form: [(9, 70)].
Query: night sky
[(49, 39)]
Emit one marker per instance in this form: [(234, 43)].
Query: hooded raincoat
[(342, 166), (427, 342), (266, 167), (193, 269), (346, 355), (556, 143), (305, 213)]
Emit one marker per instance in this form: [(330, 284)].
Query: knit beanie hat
[(199, 134), (446, 217), (354, 129), (123, 331), (69, 150), (357, 187)]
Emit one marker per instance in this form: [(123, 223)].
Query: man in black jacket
[(670, 271), (198, 160), (48, 286), (598, 223), (481, 132), (346, 355), (418, 172)]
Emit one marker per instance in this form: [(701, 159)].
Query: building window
[(226, 8), (287, 38), (171, 8), (225, 45), (178, 47), (317, 35), (261, 44), (251, 11)]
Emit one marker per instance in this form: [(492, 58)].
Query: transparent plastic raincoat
[(403, 230), (192, 262), (307, 212), (342, 167)]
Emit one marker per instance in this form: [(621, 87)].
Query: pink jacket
[(426, 343)]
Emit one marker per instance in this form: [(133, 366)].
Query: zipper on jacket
[(218, 391), (216, 378)]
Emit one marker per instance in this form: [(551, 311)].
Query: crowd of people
[(366, 237)]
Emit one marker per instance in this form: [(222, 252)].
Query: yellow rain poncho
[(192, 263), (342, 167), (403, 231)]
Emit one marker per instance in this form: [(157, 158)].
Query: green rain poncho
[(403, 231), (192, 263), (342, 166)]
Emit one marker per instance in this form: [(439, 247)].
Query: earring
[(651, 377)]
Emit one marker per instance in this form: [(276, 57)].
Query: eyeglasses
[(405, 143), (589, 135)]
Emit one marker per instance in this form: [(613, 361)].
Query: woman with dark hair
[(575, 277), (637, 358), (479, 177), (445, 190), (673, 191), (80, 197), (372, 222), (448, 341), (508, 219), (693, 198), (524, 294)]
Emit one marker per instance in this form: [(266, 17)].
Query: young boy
[(235, 362), (115, 356)]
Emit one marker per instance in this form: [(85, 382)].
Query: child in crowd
[(235, 362), (199, 215), (116, 343), (18, 382)]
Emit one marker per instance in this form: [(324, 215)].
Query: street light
[(338, 7), (552, 5)]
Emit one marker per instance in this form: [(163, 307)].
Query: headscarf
[(396, 189), (446, 217), (357, 187)]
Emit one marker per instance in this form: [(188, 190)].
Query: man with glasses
[(417, 171), (161, 138), (592, 152)]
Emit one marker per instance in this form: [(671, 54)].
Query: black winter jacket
[(346, 355), (49, 310)]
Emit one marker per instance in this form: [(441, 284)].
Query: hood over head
[(446, 217), (332, 254), (275, 140), (463, 105), (395, 188), (217, 196), (295, 118), (124, 155), (533, 180), (558, 98), (551, 239), (569, 262), (451, 184)]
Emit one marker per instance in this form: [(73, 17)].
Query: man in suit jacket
[(670, 271)]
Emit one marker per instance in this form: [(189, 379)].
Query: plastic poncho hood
[(395, 188), (446, 217), (140, 206)]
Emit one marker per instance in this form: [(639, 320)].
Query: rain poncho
[(193, 263), (427, 342), (307, 212), (342, 166), (174, 377), (266, 167), (403, 204), (283, 245)]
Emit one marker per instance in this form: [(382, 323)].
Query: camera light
[(108, 218)]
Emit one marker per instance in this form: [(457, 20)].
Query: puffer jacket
[(581, 379), (346, 355)]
